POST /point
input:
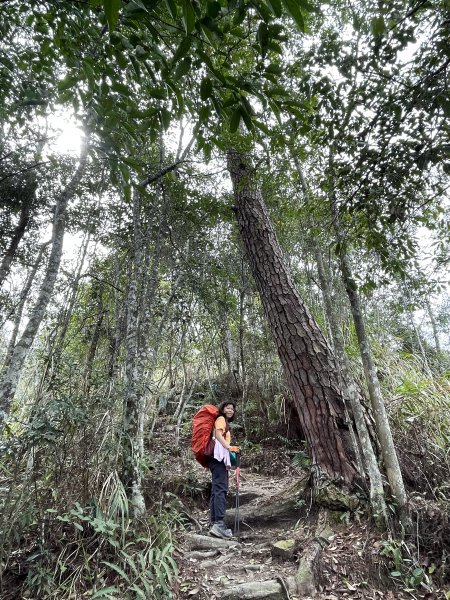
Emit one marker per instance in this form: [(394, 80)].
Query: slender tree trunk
[(18, 234), (243, 371), (73, 296), (426, 366), (133, 405), (347, 382), (181, 409), (434, 328), (131, 473), (94, 343), (19, 311), (231, 357), (10, 377), (377, 499), (306, 357), (119, 320), (389, 453), (57, 343)]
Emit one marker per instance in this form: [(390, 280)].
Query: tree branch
[(152, 178)]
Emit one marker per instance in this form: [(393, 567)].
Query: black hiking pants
[(219, 490)]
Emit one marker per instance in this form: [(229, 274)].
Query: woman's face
[(228, 411)]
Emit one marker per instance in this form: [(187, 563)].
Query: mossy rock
[(336, 499), (284, 549)]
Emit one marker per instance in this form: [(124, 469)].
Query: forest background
[(213, 135)]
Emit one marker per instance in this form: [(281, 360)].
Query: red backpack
[(202, 428)]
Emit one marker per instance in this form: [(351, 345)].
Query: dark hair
[(227, 403)]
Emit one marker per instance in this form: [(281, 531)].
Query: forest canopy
[(254, 207)]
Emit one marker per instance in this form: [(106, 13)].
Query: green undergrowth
[(95, 550)]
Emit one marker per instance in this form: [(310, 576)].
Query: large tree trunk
[(347, 382), (11, 375), (307, 359), (388, 451)]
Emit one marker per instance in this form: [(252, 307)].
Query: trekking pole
[(237, 531)]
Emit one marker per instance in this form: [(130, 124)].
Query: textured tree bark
[(57, 345), (306, 357), (10, 376), (19, 311), (383, 428), (370, 461), (18, 234), (118, 334), (132, 434), (347, 382)]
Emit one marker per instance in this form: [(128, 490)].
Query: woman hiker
[(219, 465)]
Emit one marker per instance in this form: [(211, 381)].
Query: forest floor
[(351, 563)]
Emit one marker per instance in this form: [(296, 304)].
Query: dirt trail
[(212, 569), (209, 573)]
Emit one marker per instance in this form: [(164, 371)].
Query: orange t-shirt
[(220, 423)]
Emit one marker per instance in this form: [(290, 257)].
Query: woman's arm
[(218, 434)]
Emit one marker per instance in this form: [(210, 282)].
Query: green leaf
[(8, 63), (275, 7), (275, 69), (188, 16), (261, 126), (247, 118), (158, 93), (140, 593), (34, 102), (111, 8), (165, 118), (118, 570), (247, 106), (66, 83), (235, 120), (105, 592), (182, 68), (307, 6), (172, 8), (378, 26), (203, 113), (213, 9), (182, 49), (177, 93), (217, 74), (206, 88), (264, 12), (293, 9), (263, 37)]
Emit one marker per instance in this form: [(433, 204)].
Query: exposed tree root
[(272, 589), (304, 584), (285, 506), (204, 542)]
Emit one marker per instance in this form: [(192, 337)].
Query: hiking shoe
[(219, 530)]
